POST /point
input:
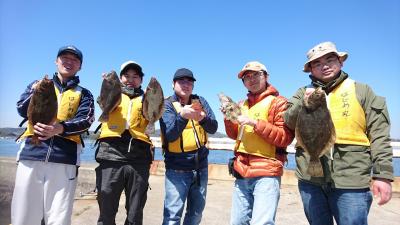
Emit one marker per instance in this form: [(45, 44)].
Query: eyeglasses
[(329, 61), (253, 76)]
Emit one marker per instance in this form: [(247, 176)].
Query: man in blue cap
[(184, 126), (46, 176)]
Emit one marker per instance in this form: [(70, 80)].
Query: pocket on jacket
[(352, 160), (379, 106)]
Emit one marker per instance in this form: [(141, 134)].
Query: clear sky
[(212, 38)]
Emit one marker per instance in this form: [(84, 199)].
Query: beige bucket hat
[(321, 50), (253, 66)]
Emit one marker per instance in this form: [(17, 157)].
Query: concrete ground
[(217, 211)]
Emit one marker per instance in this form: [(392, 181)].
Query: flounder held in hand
[(110, 95), (315, 131), (230, 108), (43, 105), (153, 104)]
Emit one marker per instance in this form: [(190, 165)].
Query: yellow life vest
[(347, 114), (252, 143), (187, 141), (127, 116), (68, 102)]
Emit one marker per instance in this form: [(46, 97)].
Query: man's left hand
[(382, 188), (245, 120)]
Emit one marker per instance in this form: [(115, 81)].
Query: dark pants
[(114, 177)]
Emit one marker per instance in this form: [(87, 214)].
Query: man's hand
[(199, 115), (47, 131), (244, 120), (308, 92), (192, 113), (382, 188), (34, 85)]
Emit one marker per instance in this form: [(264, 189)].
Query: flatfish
[(153, 104), (110, 95), (43, 105), (315, 131), (230, 108)]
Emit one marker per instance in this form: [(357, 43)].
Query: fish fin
[(103, 118), (150, 129), (315, 169), (299, 139)]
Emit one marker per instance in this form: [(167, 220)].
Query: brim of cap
[(191, 78), (241, 74), (70, 51), (130, 64), (342, 57)]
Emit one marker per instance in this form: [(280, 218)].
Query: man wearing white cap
[(260, 152), (362, 148), (124, 153)]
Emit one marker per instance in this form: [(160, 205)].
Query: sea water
[(8, 148)]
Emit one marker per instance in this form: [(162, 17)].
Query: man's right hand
[(34, 85), (382, 189), (192, 113), (307, 93)]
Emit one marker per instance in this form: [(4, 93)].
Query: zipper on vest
[(49, 149), (60, 98), (181, 143), (128, 116)]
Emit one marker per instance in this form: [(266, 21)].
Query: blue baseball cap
[(182, 73), (71, 49)]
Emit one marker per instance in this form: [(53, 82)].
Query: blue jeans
[(255, 200), (347, 206), (179, 187)]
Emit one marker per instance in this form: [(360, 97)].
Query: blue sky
[(212, 38)]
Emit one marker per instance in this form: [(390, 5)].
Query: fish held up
[(110, 95), (43, 105), (229, 108), (315, 131), (153, 104)]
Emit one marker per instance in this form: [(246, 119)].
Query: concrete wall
[(87, 175)]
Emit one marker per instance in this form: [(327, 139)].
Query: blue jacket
[(172, 124), (58, 149)]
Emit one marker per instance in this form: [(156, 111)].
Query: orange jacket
[(273, 131)]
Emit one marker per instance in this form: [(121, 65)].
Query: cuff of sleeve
[(389, 177), (203, 121), (181, 118), (64, 126)]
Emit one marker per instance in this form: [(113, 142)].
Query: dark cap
[(71, 49), (182, 73)]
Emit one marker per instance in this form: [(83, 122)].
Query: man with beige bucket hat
[(361, 156)]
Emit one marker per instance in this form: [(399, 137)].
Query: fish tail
[(150, 129), (103, 117), (315, 169), (35, 140)]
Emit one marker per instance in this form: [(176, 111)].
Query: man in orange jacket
[(261, 148)]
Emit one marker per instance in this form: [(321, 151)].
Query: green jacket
[(352, 164)]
